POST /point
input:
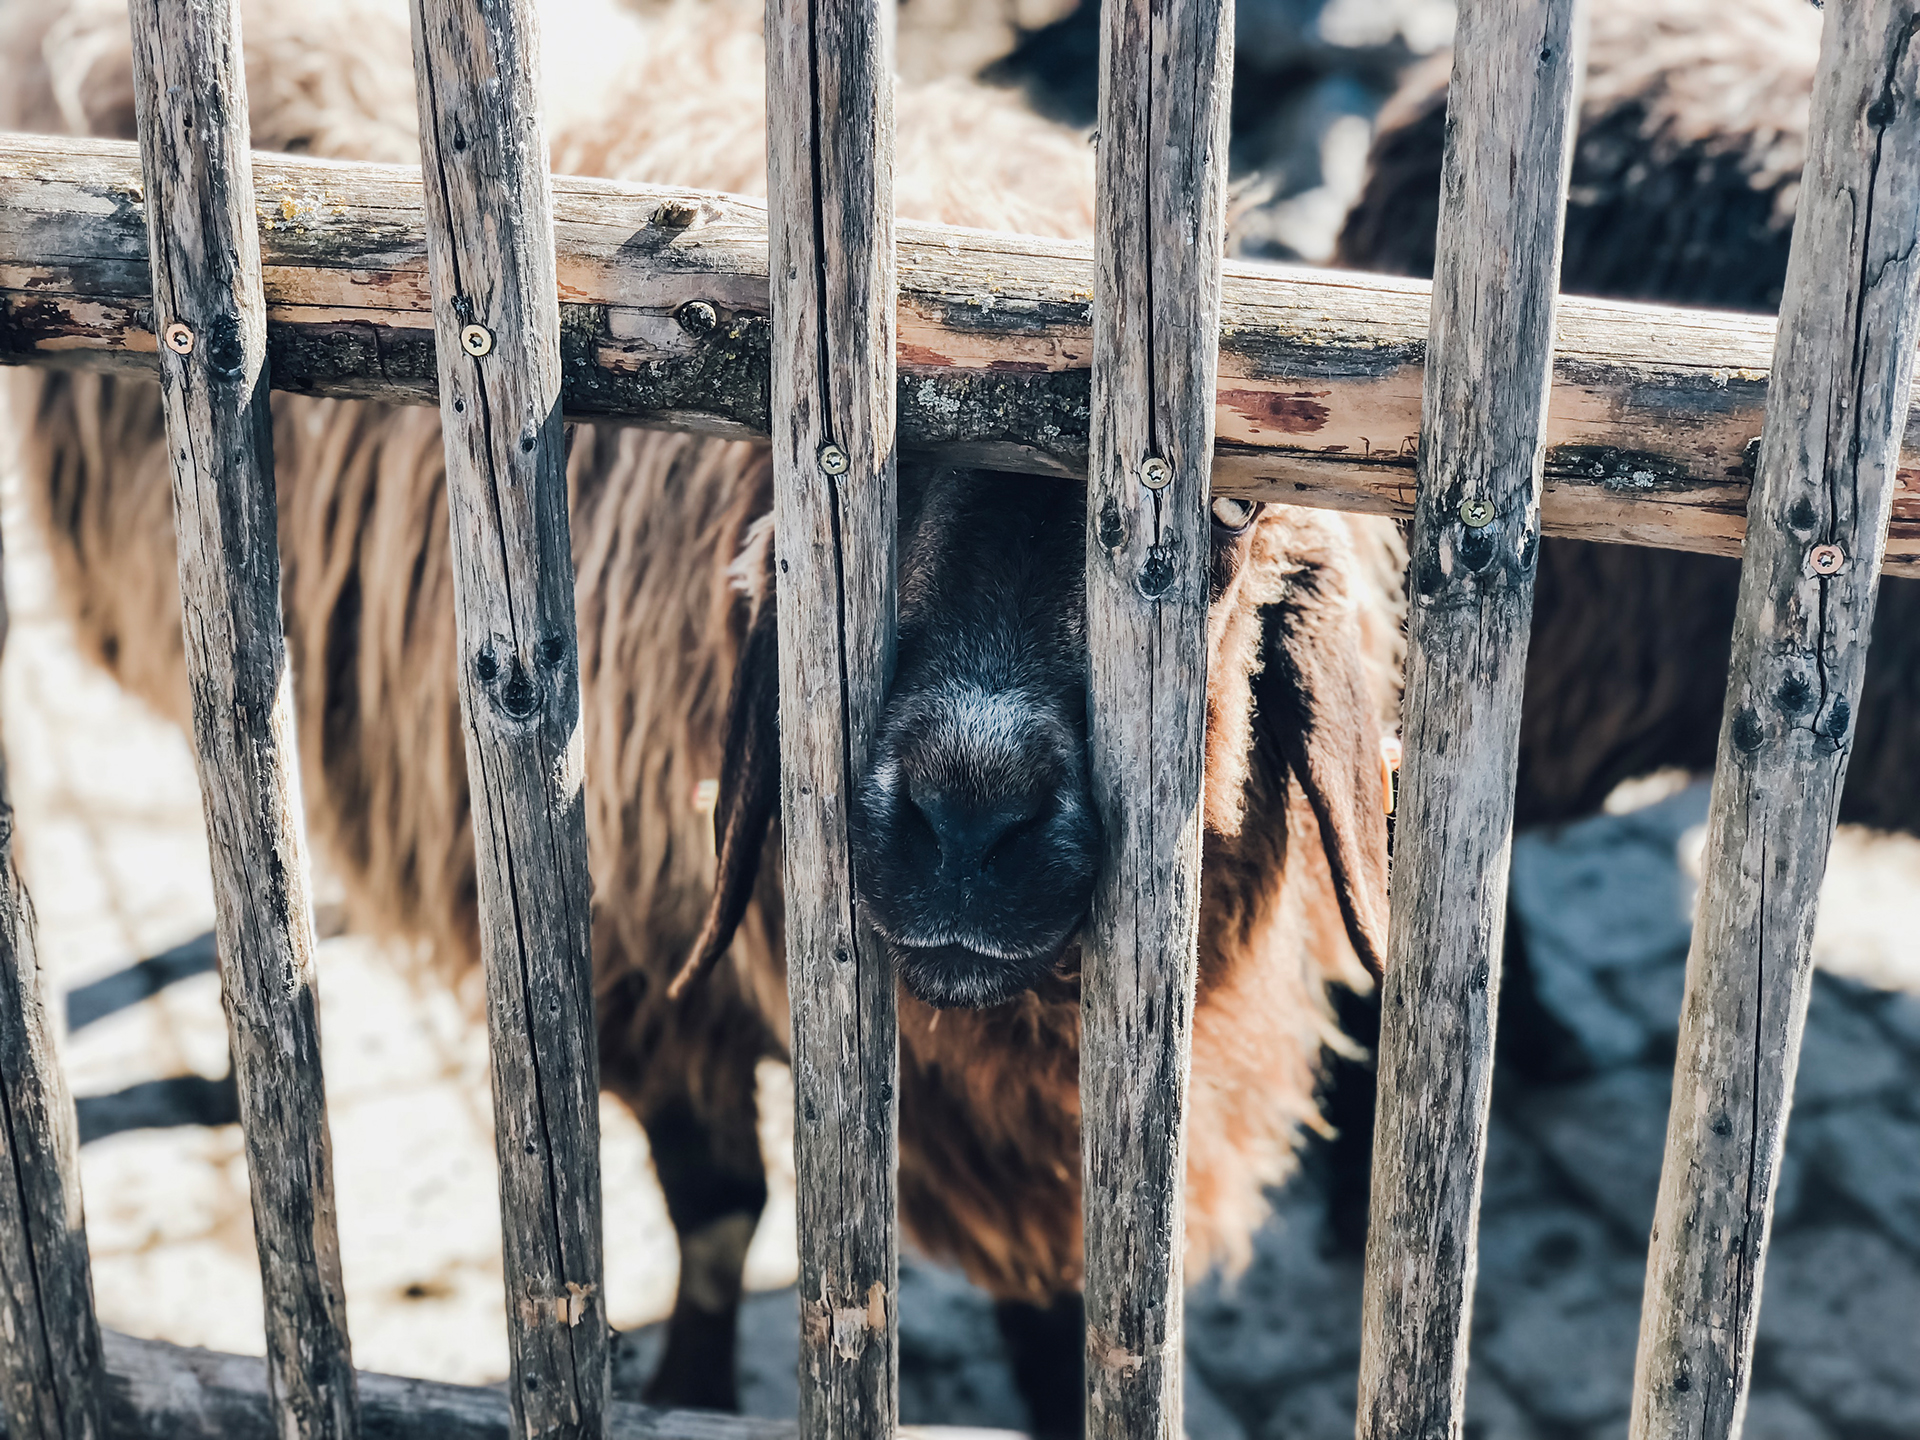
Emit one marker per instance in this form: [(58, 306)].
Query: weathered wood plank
[(209, 312), (1165, 75), (831, 242), (490, 254), (1648, 434), (156, 1391), (1828, 455), (49, 1339), (1475, 539)]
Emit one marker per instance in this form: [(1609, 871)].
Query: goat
[(982, 739)]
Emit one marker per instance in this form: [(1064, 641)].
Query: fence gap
[(50, 1366), (1816, 531), (209, 316), (1166, 68), (831, 258), (490, 264), (1475, 539)]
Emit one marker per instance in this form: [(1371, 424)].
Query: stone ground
[(112, 846)]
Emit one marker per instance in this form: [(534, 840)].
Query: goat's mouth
[(954, 977)]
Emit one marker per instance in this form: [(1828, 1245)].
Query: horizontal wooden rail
[(664, 322), (156, 1391)]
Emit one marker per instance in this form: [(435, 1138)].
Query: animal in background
[(1686, 170)]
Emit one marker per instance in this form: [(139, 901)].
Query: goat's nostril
[(972, 834), (920, 825), (1007, 841)]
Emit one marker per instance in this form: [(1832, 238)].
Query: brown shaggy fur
[(990, 1170)]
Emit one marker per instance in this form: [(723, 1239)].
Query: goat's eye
[(1233, 515)]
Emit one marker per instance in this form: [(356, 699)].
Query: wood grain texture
[(490, 254), (1649, 433), (1475, 540), (209, 309), (830, 187), (156, 1391), (1828, 455), (50, 1375), (1166, 69)]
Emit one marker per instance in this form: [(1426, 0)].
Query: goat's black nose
[(975, 842), (975, 837)]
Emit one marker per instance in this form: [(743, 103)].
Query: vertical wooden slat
[(1816, 530), (830, 203), (1476, 530), (496, 314), (1165, 77), (209, 314), (50, 1367)]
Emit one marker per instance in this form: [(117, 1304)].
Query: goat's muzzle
[(975, 842)]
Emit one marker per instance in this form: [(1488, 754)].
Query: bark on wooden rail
[(210, 313), (830, 178), (1826, 483), (50, 1358), (1165, 77), (156, 1391), (497, 326), (1475, 540), (1318, 397)]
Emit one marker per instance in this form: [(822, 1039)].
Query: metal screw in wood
[(1155, 473), (1476, 514), (1827, 559), (697, 317), (476, 340), (179, 339), (833, 460)]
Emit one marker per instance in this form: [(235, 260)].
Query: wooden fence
[(1178, 380)]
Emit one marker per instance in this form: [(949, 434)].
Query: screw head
[(1827, 559), (476, 340), (697, 317), (833, 460), (1476, 514), (179, 339), (1155, 473)]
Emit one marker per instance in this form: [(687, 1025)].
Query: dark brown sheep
[(984, 728), (1692, 132)]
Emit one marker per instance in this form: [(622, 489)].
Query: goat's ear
[(749, 778), (1312, 705)]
